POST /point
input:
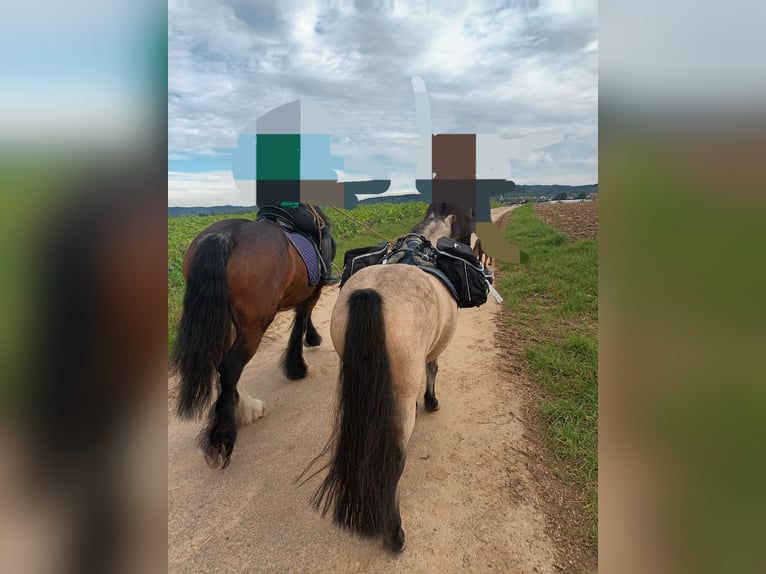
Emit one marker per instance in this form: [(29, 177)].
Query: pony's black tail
[(368, 458), (204, 333)]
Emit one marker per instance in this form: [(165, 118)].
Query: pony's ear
[(449, 220)]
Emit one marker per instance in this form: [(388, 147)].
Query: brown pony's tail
[(204, 333), (368, 457)]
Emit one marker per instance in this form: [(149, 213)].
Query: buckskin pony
[(389, 326)]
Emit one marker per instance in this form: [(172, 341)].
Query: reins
[(318, 220)]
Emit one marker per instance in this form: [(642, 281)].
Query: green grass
[(390, 220), (553, 301)]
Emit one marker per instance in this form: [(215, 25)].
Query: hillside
[(215, 210), (518, 191)]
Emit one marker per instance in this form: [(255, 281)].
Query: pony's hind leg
[(217, 438), (393, 534), (313, 339), (393, 538), (293, 364), (431, 403), (292, 361)]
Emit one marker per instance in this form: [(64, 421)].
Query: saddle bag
[(458, 263), (361, 257)]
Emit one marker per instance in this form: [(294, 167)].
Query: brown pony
[(239, 274), (389, 326)]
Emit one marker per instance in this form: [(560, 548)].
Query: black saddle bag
[(458, 263), (361, 257)]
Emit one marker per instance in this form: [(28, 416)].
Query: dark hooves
[(218, 456), (295, 372), (395, 543), (431, 404), (313, 341)]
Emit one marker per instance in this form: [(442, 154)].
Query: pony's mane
[(426, 227)]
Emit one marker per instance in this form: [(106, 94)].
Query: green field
[(553, 305)]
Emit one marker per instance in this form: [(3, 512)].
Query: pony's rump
[(360, 486), (204, 333)]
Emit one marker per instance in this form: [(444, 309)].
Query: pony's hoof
[(431, 404), (396, 542), (217, 457), (313, 341), (295, 372), (218, 451)]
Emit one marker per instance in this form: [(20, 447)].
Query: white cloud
[(205, 189), (522, 70), (195, 152)]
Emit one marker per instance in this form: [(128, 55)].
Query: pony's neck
[(431, 229), (434, 234)]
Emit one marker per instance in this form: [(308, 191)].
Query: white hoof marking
[(250, 409)]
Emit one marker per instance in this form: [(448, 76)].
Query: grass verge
[(552, 303)]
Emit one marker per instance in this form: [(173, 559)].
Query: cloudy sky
[(520, 67)]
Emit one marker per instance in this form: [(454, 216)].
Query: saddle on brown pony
[(307, 220)]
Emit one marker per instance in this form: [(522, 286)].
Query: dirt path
[(467, 498)]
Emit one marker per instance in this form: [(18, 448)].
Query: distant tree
[(560, 196), (582, 195)]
